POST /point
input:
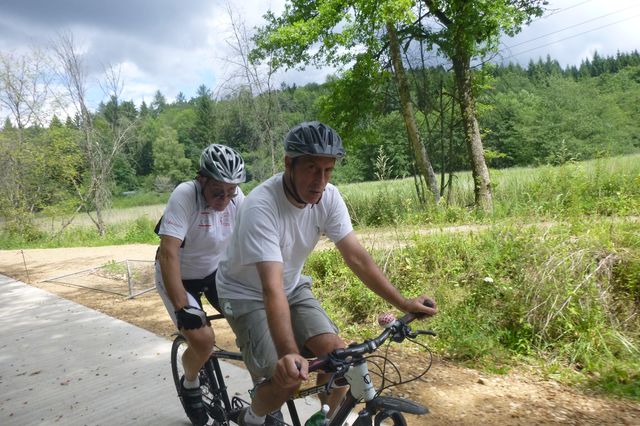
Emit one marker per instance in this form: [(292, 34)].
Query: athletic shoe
[(193, 406), (274, 419)]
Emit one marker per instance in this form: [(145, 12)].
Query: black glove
[(190, 318)]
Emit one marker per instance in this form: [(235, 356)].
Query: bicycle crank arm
[(382, 403)]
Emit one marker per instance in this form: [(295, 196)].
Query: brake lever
[(329, 384), (402, 333), (414, 334)]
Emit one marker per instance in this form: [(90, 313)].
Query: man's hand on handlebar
[(421, 305), (291, 370), (190, 318)]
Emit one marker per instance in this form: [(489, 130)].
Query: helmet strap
[(291, 189), (202, 182)]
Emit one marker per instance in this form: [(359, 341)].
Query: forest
[(539, 114)]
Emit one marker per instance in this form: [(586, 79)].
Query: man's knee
[(322, 344), (201, 340)]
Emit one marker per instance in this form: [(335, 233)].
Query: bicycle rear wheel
[(211, 392)]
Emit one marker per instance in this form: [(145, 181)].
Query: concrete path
[(62, 363)]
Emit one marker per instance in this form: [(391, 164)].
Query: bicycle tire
[(177, 349), (392, 404), (208, 382), (389, 418)]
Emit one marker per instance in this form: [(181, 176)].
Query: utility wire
[(572, 26), (555, 12), (572, 36)]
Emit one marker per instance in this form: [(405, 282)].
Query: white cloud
[(176, 46)]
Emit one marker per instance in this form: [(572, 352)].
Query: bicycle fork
[(362, 389)]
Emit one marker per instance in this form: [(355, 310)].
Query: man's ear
[(287, 162)]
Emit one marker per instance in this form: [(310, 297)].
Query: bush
[(566, 295)]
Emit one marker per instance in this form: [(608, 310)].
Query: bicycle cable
[(400, 381)]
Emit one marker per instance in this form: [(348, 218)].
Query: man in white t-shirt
[(263, 294), (194, 231)]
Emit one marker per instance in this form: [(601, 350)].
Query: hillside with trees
[(541, 114)]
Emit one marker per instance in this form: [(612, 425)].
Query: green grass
[(608, 186), (139, 199), (139, 230), (564, 297), (602, 187)]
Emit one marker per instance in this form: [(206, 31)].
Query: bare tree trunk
[(480, 172), (73, 75), (264, 98), (422, 159), (100, 149)]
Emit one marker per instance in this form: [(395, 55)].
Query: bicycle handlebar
[(398, 331)]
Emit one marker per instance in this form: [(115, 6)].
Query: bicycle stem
[(360, 381)]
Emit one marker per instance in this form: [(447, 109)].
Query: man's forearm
[(373, 278), (362, 264), (279, 319), (276, 306)]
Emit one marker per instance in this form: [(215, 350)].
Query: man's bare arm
[(362, 264)]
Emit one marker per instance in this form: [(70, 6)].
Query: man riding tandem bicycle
[(262, 292)]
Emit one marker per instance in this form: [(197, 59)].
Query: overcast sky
[(175, 46)]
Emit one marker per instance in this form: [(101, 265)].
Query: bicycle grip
[(418, 315)]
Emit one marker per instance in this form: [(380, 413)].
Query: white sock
[(251, 418), (191, 384)]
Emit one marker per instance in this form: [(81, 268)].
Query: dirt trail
[(455, 395)]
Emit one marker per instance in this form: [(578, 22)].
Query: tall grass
[(129, 231), (566, 297), (608, 186), (603, 187), (140, 199)]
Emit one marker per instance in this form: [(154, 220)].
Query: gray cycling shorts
[(248, 320)]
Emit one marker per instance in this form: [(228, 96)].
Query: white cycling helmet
[(223, 164)]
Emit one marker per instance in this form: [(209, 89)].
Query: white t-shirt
[(205, 232), (270, 228)]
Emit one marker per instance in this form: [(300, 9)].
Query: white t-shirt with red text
[(205, 232)]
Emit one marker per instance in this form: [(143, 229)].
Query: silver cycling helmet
[(313, 138), (223, 164)]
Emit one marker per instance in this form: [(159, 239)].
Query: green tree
[(204, 126), (144, 110), (181, 99), (158, 104), (330, 29), (168, 157), (471, 29), (24, 89)]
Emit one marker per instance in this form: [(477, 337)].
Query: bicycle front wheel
[(390, 418)]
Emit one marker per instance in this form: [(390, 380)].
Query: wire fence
[(127, 278)]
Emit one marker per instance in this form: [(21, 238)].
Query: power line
[(563, 10), (572, 36), (572, 26)]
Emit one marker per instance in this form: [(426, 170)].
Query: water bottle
[(319, 418)]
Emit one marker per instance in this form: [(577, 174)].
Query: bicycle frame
[(360, 389), (221, 409)]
